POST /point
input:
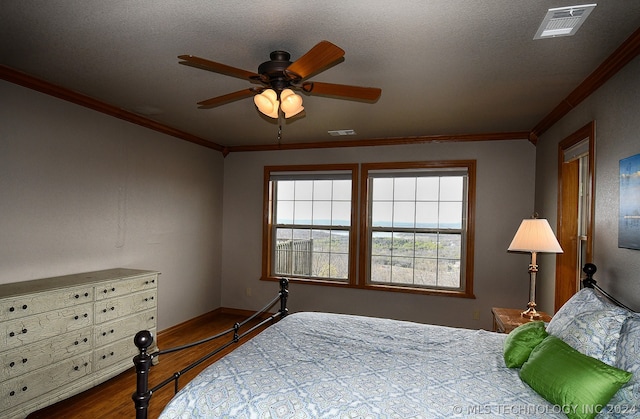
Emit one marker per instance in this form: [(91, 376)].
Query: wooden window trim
[(363, 280), (358, 243)]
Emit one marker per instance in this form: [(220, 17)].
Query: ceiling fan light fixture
[(267, 103), (290, 103)]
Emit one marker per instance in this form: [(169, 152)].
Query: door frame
[(567, 271)]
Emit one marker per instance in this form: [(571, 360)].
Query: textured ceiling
[(445, 67)]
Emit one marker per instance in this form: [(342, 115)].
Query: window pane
[(403, 245), (303, 189), (382, 189), (451, 188), (285, 190), (321, 213), (451, 215), (380, 269), (342, 190), (426, 214), (381, 244), (404, 189), (404, 214), (381, 214), (427, 188), (302, 212), (426, 245), (341, 213), (284, 212), (322, 189)]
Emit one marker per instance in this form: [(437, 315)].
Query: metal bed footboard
[(144, 361)]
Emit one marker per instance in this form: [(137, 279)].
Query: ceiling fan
[(279, 78)]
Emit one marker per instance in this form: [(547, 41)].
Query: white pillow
[(590, 324), (628, 359)]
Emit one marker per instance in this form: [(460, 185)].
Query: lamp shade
[(535, 235), (291, 103), (267, 103)]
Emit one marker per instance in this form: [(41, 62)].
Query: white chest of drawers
[(60, 336)]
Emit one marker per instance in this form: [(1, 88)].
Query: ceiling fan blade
[(205, 64), (320, 56), (230, 97), (342, 90)]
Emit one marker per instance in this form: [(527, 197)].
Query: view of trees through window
[(313, 219), (412, 226)]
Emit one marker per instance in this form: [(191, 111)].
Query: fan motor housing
[(275, 68)]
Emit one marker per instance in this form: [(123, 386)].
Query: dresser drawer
[(39, 382), (120, 307), (117, 352), (27, 305), (41, 354), (44, 325), (124, 287), (110, 332)]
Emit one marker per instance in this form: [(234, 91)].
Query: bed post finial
[(142, 361), (589, 269), (284, 294)]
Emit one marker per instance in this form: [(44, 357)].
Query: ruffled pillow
[(590, 324), (521, 341), (627, 399)]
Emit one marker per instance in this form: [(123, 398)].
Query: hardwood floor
[(112, 399)]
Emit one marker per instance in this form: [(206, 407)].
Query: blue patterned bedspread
[(320, 365)]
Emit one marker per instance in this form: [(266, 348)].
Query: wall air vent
[(563, 21), (341, 132)]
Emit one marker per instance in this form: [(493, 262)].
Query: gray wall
[(505, 193), (615, 108), (82, 191)]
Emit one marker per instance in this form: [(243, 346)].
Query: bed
[(325, 365)]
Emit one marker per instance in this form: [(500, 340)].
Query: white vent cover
[(563, 21), (341, 132)]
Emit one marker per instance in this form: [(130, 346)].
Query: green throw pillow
[(521, 341), (580, 384)]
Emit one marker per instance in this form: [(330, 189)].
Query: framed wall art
[(629, 218)]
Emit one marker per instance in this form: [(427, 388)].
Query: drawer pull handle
[(12, 334), (24, 388), (76, 343), (77, 295), (113, 289), (24, 307), (12, 364), (12, 393), (12, 309), (85, 339), (105, 291), (24, 360), (24, 331), (76, 368), (104, 356), (113, 308), (75, 317)]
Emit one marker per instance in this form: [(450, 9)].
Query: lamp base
[(531, 312)]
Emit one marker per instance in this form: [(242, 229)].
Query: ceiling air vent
[(563, 21), (341, 132)]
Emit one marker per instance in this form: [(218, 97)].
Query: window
[(415, 225), (310, 231)]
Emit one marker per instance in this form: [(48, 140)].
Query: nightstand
[(507, 319)]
